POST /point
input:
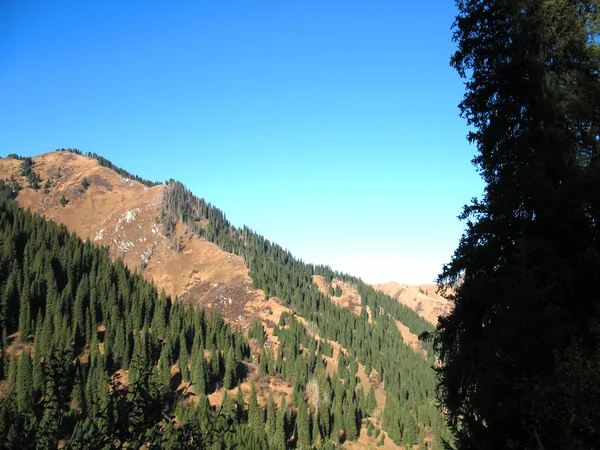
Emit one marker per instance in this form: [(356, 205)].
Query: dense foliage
[(521, 351)]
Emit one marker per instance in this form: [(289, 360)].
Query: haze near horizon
[(331, 129)]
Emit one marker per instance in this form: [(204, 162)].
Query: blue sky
[(330, 127)]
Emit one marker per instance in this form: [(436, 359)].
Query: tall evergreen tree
[(255, 412), (240, 404), (520, 352), (183, 358), (371, 402), (229, 379), (303, 424), (271, 415), (25, 389), (280, 436), (350, 417)]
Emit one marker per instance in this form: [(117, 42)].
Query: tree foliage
[(520, 351)]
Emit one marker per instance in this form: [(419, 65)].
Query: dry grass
[(350, 298), (428, 305)]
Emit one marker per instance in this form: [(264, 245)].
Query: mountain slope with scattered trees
[(328, 398)]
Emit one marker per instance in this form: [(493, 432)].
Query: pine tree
[(255, 413), (350, 417), (12, 373), (230, 378), (271, 415), (371, 402), (183, 358), (239, 404), (25, 389), (303, 423), (280, 437)]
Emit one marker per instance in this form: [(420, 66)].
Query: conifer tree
[(239, 404), (164, 368), (229, 379), (25, 312), (350, 417), (280, 436), (200, 376), (216, 363), (255, 413), (12, 373), (371, 402), (25, 389), (303, 423), (183, 358), (518, 274), (271, 415)]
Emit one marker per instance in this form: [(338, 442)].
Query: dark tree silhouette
[(520, 351)]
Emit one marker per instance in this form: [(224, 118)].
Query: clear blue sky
[(330, 127)]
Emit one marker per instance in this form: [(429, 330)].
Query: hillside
[(186, 247), (422, 299)]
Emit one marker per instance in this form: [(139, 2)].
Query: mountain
[(301, 320)]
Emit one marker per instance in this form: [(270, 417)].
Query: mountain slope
[(422, 299), (165, 231)]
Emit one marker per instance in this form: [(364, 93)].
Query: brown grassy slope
[(349, 299), (428, 305)]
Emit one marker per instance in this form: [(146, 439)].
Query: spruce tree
[(25, 312), (271, 415), (25, 391), (520, 273), (183, 358), (12, 373), (239, 404), (255, 412), (303, 424), (371, 402), (280, 436), (229, 379), (350, 417)]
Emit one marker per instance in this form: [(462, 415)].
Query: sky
[(330, 127)]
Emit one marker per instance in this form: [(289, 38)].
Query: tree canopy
[(520, 351)]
